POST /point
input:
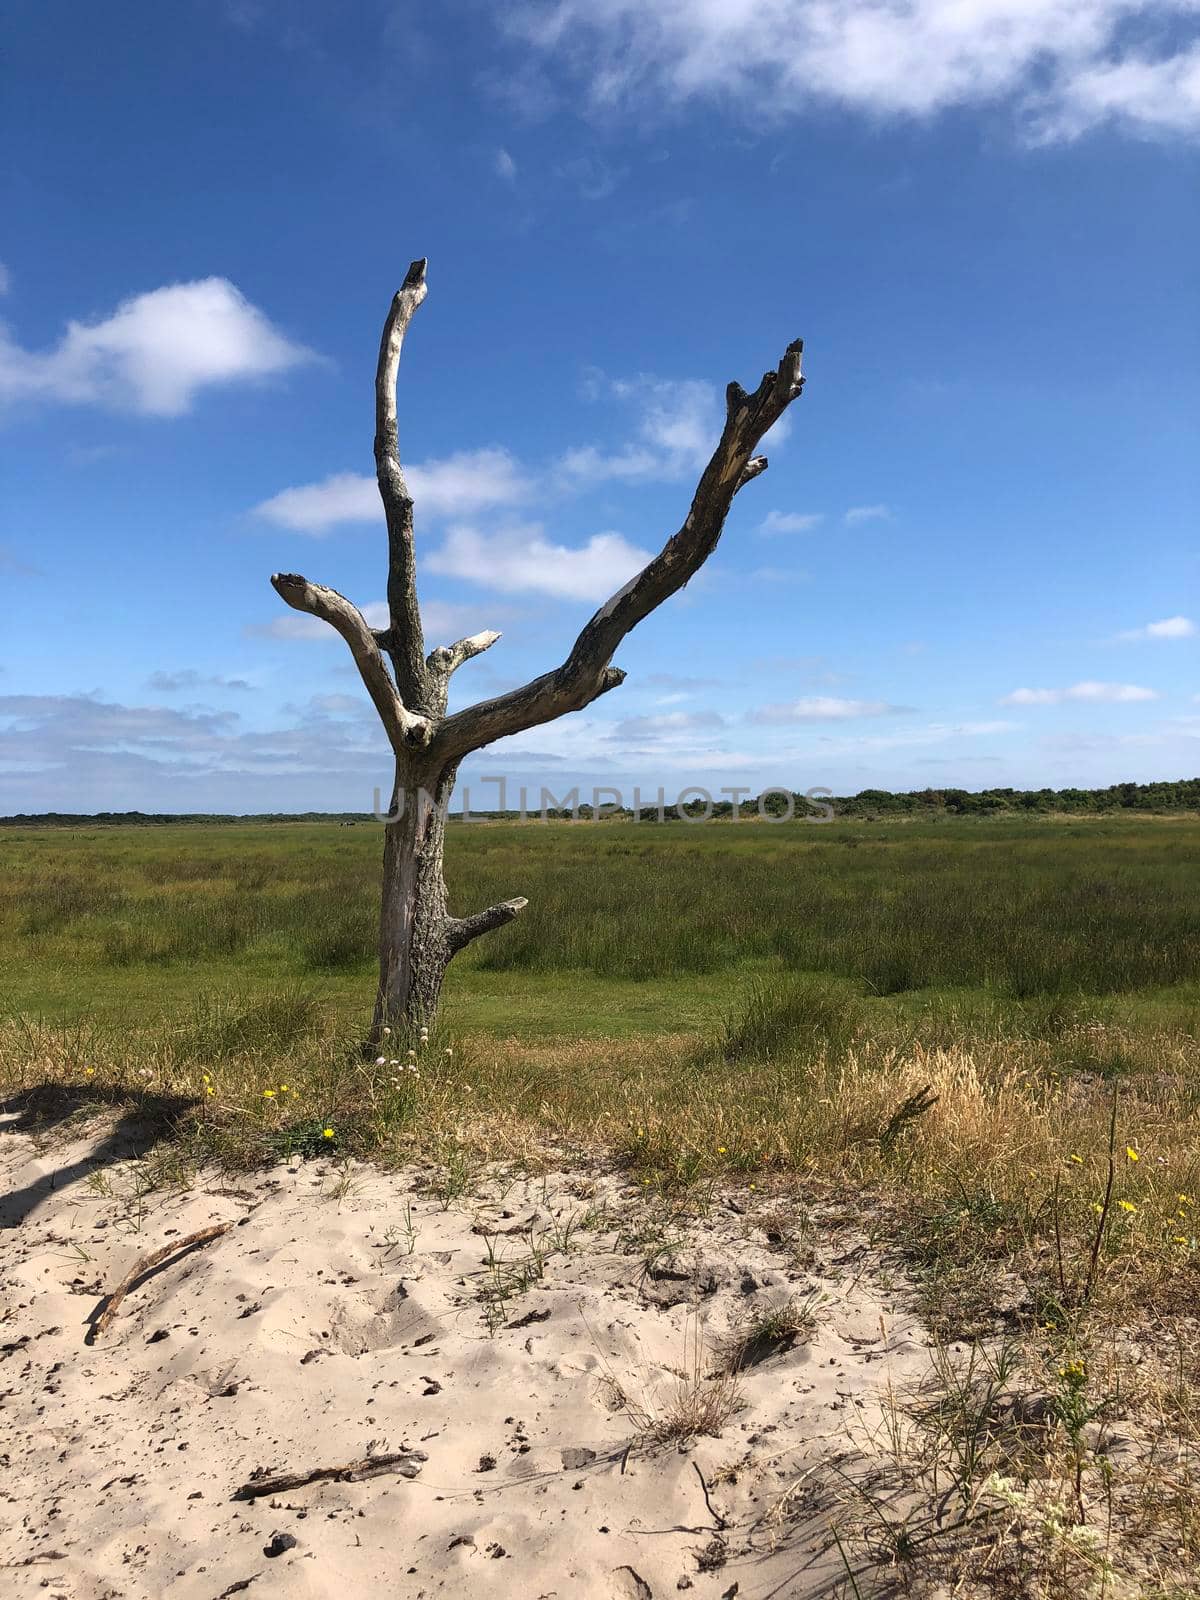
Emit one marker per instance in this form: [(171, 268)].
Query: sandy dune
[(351, 1316)]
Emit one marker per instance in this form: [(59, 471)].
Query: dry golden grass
[(698, 1400)]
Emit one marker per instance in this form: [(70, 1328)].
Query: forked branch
[(404, 729), (586, 673)]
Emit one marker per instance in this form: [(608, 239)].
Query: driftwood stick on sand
[(406, 1462), (147, 1264)]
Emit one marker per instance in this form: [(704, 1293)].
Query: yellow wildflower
[(1127, 1205), (327, 1133), (268, 1094), (1131, 1153)]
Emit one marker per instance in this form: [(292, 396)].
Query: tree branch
[(449, 657), (403, 728), (586, 673), (461, 930), (404, 641)]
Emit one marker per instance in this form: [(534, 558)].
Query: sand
[(516, 1346)]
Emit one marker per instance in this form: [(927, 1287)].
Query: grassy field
[(978, 1041), (630, 928), (767, 1002)]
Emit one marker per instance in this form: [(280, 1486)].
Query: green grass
[(630, 928)]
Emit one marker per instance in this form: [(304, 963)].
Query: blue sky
[(973, 561)]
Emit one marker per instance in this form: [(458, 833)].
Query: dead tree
[(418, 937)]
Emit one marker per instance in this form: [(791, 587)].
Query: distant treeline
[(869, 804), (1183, 795)]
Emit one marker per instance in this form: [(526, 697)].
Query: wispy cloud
[(84, 752), (860, 514), (824, 708), (155, 353), (5, 279), (677, 422), (669, 728), (1063, 66), (504, 166), (1168, 628), (1098, 693), (592, 177), (521, 558), (779, 575), (777, 522), (457, 485), (189, 678)]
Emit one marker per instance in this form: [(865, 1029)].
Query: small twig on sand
[(713, 1513), (406, 1462), (103, 1319)]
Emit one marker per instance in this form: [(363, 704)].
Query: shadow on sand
[(144, 1119)]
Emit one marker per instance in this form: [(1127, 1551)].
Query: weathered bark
[(414, 948), (417, 936)]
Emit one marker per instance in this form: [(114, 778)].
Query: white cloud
[(1064, 66), (521, 558), (457, 485), (1168, 628), (1152, 96), (189, 678), (316, 507), (823, 708), (1101, 693), (790, 522), (5, 279), (467, 481), (779, 575), (678, 424), (154, 353), (668, 729), (860, 514), (504, 165)]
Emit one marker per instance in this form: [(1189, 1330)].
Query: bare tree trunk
[(414, 948), (417, 936)]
